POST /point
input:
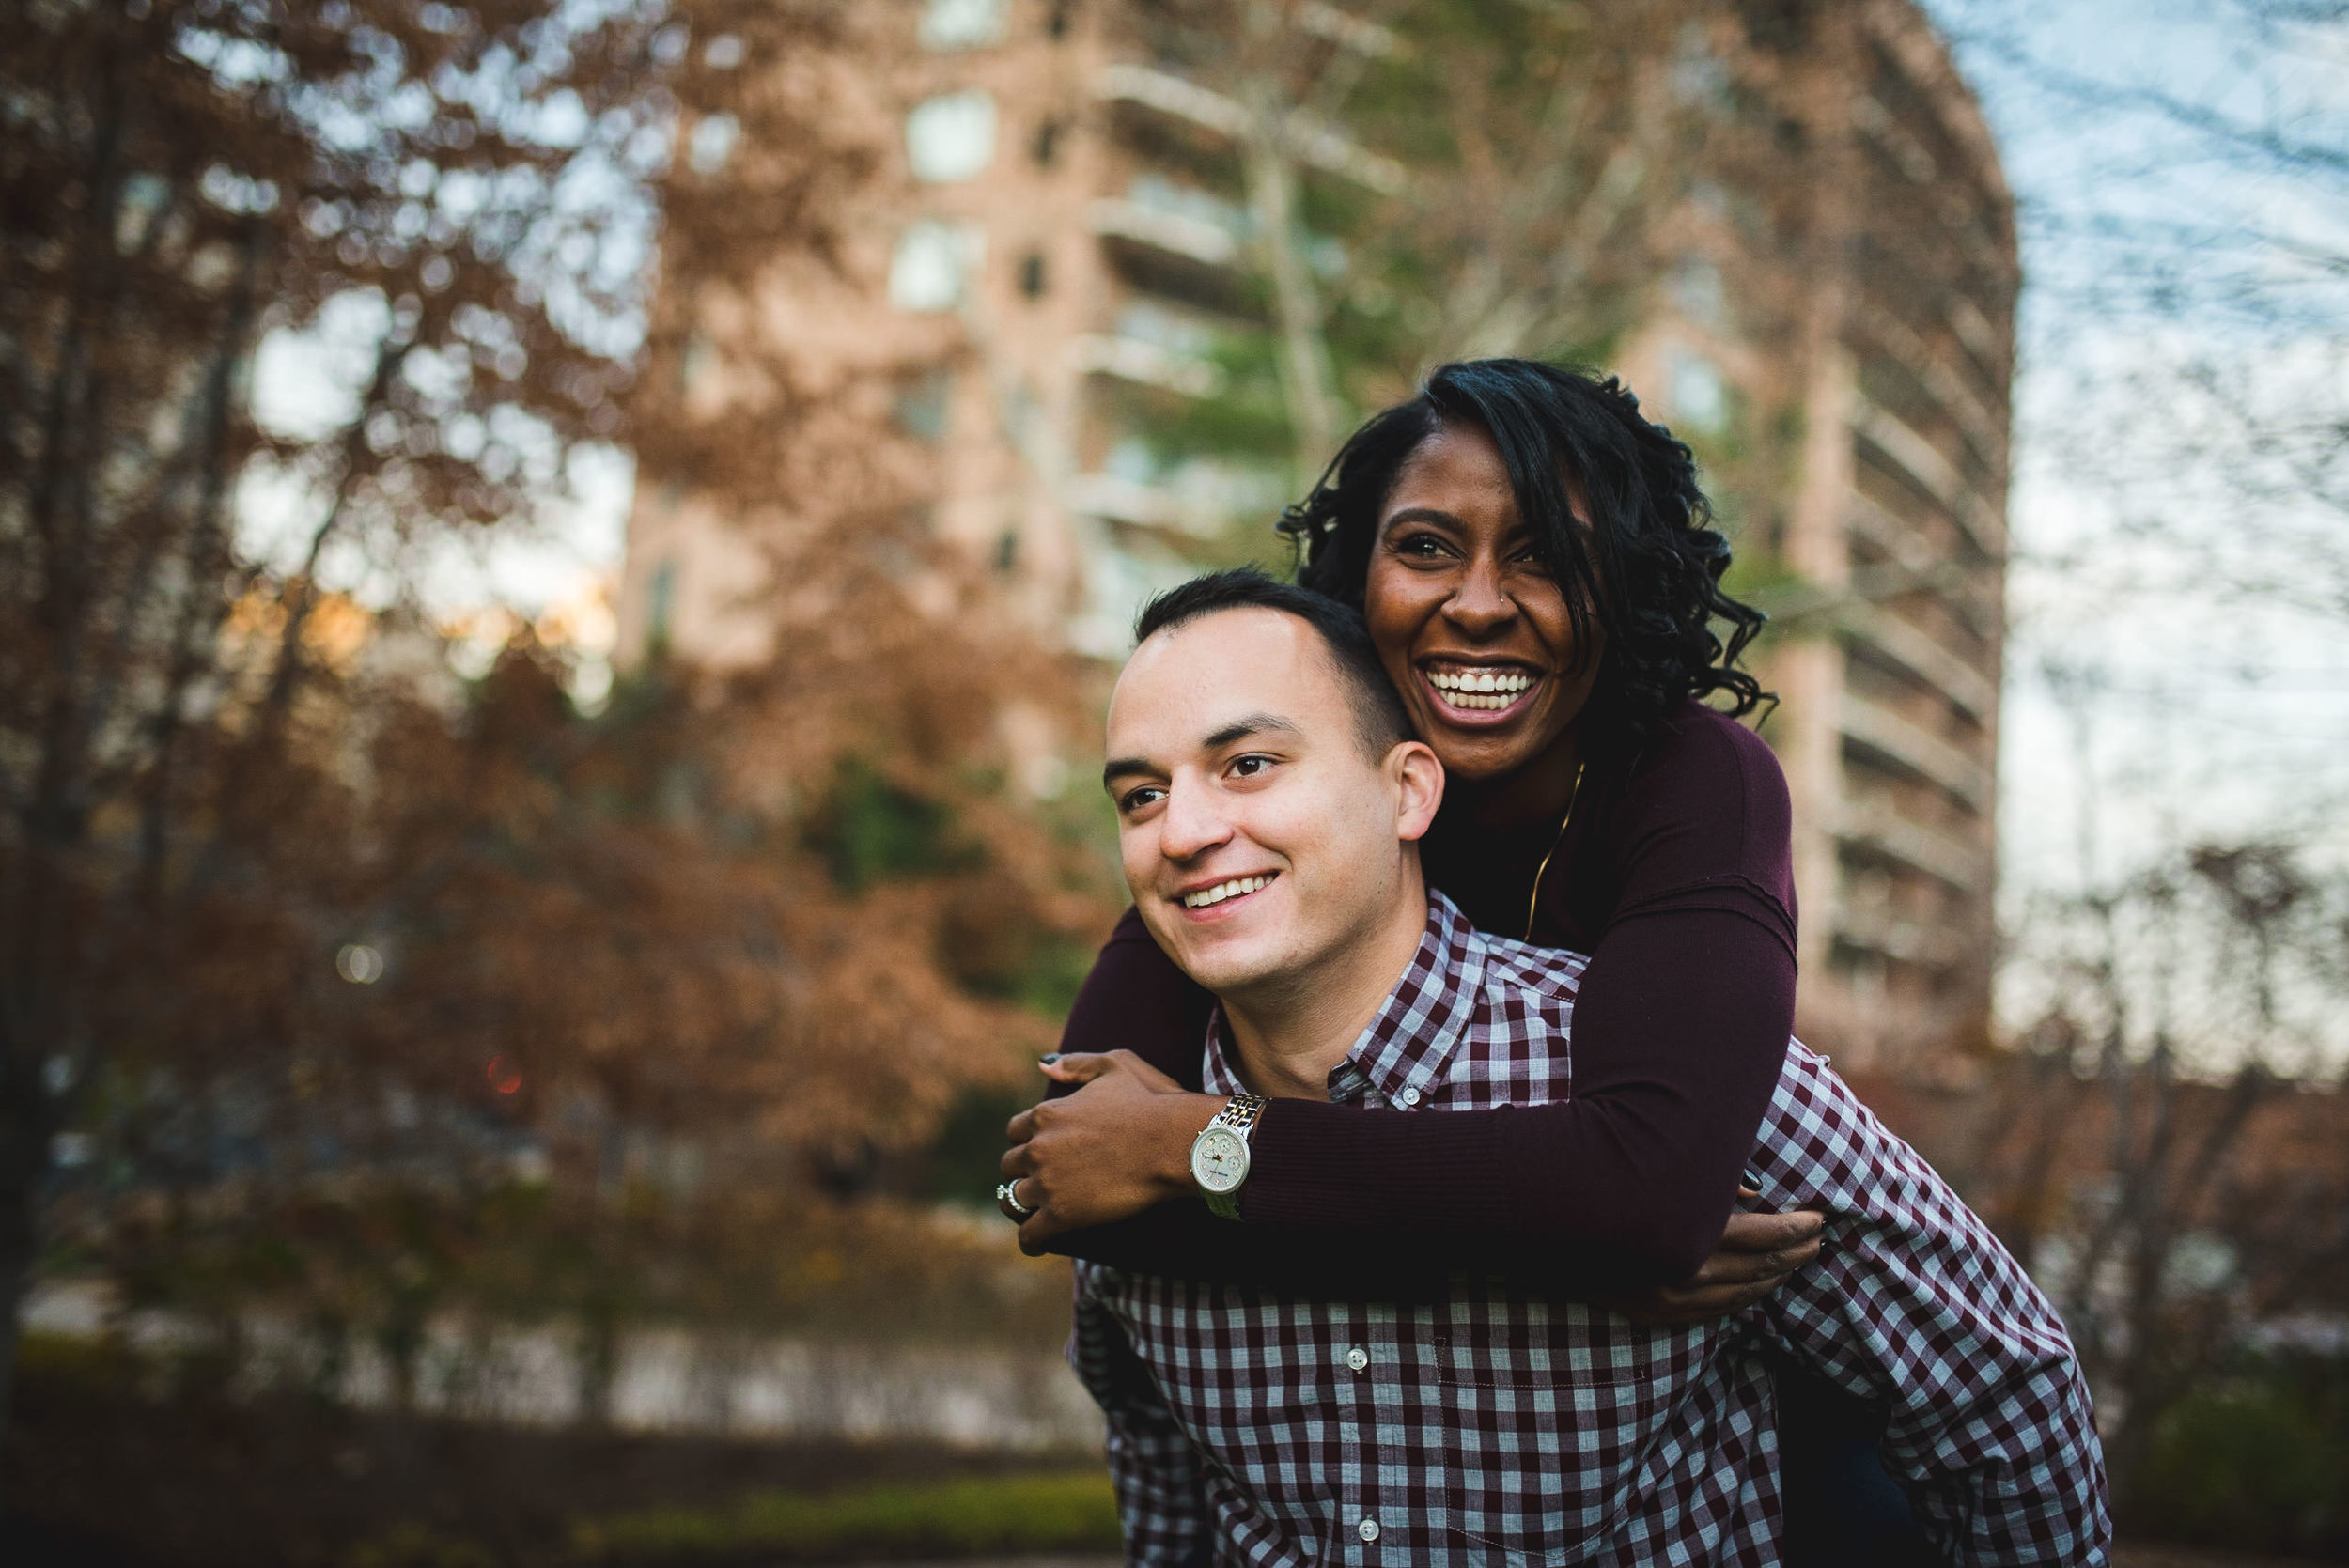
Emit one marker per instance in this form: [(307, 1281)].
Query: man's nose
[(1193, 825), (1478, 606)]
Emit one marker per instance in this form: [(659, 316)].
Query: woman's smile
[(1477, 694)]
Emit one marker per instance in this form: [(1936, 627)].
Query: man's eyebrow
[(1123, 767), (1238, 729), (1256, 724)]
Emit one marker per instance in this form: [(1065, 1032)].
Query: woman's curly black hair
[(1648, 564)]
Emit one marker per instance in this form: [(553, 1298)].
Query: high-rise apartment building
[(1070, 234)]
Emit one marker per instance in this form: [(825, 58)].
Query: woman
[(1536, 564)]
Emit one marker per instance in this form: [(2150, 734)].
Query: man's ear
[(1418, 788)]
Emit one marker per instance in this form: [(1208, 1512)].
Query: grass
[(1065, 1512)]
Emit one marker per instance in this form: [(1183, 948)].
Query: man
[(1270, 800)]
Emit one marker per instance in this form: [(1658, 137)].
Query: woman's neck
[(1536, 792)]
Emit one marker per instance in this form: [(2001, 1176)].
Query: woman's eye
[(1419, 547)]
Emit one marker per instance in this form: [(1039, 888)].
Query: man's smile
[(1225, 891)]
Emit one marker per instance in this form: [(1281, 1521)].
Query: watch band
[(1238, 1115), (1239, 1112)]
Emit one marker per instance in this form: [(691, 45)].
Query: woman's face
[(1470, 624)]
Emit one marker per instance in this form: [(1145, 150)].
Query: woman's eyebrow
[(1422, 513)]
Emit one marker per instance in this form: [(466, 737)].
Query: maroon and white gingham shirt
[(1250, 1427)]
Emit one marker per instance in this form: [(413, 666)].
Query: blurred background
[(560, 561)]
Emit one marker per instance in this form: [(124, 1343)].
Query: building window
[(951, 138), (1007, 551), (1700, 398), (1698, 294), (1047, 143), (712, 143), (934, 265), (1032, 275), (948, 25), (695, 364), (1056, 23), (660, 604), (922, 406)]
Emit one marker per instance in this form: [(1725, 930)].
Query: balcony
[(1145, 364), (1182, 235), (1138, 505), (1906, 942), (1880, 830), (1927, 662), (1911, 749), (1932, 474), (1211, 116)]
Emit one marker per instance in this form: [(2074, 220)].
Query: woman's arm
[(1679, 1033), (1642, 1163)]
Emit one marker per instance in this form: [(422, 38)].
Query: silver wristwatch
[(1218, 1156)]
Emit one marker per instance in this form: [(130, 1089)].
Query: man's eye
[(1135, 800), (1249, 767)]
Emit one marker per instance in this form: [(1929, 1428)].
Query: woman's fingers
[(1076, 1066), (1732, 1270), (1757, 1253), (1769, 1233)]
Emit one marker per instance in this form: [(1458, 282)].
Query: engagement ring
[(1007, 1199)]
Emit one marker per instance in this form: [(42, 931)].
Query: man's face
[(1258, 834)]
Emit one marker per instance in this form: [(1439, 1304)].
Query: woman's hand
[(1757, 1253), (1118, 1145)]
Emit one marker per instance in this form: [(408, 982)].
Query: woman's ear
[(1419, 788)]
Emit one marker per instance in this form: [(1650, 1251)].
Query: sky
[(2138, 719), (2172, 711)]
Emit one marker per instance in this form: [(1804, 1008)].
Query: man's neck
[(1290, 1032)]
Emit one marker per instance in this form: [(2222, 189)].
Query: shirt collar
[(1402, 1052)]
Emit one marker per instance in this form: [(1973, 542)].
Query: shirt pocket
[(1542, 1414)]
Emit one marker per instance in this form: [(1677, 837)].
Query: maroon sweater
[(1676, 877)]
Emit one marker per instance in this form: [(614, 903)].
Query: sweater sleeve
[(1680, 1032), (1671, 1080), (1136, 1000)]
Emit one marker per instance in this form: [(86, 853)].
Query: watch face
[(1219, 1160)]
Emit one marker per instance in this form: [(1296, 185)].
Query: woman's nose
[(1478, 607)]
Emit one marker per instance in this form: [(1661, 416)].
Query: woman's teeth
[(1223, 891), (1488, 690)]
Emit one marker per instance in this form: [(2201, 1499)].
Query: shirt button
[(1367, 1529), (1410, 1097), (1358, 1359)]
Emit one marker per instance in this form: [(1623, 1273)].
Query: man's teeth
[(1223, 891), (1480, 689)]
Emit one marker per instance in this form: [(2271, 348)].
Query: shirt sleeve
[(1916, 1308), (1161, 1494)]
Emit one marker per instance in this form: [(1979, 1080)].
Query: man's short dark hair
[(1379, 718)]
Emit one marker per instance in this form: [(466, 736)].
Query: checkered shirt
[(1247, 1426)]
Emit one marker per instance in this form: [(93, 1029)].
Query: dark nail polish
[(1050, 1058)]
